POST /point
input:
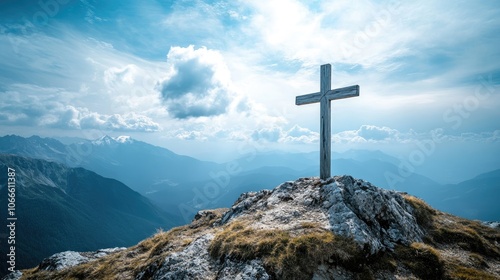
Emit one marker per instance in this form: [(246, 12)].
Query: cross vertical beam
[(325, 122), (324, 96)]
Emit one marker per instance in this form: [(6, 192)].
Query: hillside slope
[(476, 198), (342, 228), (60, 208)]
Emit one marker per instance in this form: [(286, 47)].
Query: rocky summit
[(341, 228)]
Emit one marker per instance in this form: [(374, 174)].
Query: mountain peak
[(341, 228), (108, 140)]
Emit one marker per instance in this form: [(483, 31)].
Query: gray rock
[(495, 225), (193, 262), (67, 259), (16, 275), (249, 270), (62, 260), (372, 216)]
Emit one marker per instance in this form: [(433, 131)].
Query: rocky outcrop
[(375, 218)]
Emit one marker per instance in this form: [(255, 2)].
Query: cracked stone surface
[(375, 218)]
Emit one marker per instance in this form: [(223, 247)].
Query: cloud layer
[(26, 105)]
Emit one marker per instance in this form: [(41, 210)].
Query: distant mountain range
[(141, 166), (60, 208), (182, 185)]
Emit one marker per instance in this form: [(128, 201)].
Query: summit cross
[(324, 96)]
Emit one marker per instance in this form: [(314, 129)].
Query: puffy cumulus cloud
[(46, 111), (117, 122), (296, 134), (190, 135), (198, 84), (271, 134), (301, 134), (371, 132)]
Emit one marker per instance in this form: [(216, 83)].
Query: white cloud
[(28, 105), (371, 132), (277, 134), (271, 134), (378, 135), (300, 135), (125, 74), (198, 83)]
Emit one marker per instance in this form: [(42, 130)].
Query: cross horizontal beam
[(332, 94)]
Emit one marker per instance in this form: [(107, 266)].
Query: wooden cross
[(324, 97)]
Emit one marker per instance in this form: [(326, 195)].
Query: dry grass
[(289, 257), (308, 225), (422, 260), (422, 211), (464, 237)]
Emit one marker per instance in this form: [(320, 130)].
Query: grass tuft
[(468, 273), (422, 260), (291, 257), (423, 212)]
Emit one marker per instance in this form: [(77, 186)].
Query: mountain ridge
[(173, 181), (72, 208)]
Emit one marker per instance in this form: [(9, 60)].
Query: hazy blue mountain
[(181, 185), (296, 161), (34, 147), (60, 208), (141, 166), (223, 188), (477, 198), (365, 155), (373, 166)]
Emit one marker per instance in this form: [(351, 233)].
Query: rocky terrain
[(342, 228)]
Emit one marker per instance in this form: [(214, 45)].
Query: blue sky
[(205, 77)]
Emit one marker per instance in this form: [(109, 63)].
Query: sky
[(211, 78)]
